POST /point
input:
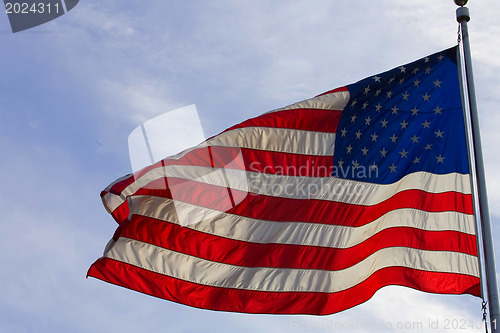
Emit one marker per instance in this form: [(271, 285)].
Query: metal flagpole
[(491, 277)]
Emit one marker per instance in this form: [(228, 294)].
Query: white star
[(376, 78), (344, 132), (393, 168), (378, 92), (402, 81), (441, 57), (428, 147), (439, 134), (404, 124), (392, 79), (394, 109), (437, 83), (415, 139), (405, 96), (428, 70), (417, 160), (358, 134), (404, 154), (438, 110), (426, 97), (349, 148), (368, 120), (383, 152), (416, 82), (341, 163), (389, 94), (414, 111), (354, 102), (353, 118), (440, 159), (365, 151), (384, 123), (378, 107), (367, 89), (374, 137), (426, 59), (426, 124), (355, 164), (403, 69), (365, 104), (415, 70), (393, 138), (373, 166)]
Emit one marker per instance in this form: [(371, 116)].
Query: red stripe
[(121, 213), (269, 208), (235, 300), (316, 120), (117, 188), (234, 252), (255, 160), (280, 163)]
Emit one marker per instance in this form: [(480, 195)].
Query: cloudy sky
[(72, 90)]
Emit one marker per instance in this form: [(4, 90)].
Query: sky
[(72, 90)]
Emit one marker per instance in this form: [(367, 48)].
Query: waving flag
[(308, 209)]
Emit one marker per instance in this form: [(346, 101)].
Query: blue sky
[(73, 89)]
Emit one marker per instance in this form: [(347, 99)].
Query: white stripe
[(112, 202), (298, 233), (205, 272), (341, 190), (284, 140), (299, 187), (334, 101)]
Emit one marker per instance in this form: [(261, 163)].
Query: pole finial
[(461, 2)]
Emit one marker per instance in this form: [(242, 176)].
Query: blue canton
[(406, 120)]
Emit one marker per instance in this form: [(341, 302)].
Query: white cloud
[(137, 100)]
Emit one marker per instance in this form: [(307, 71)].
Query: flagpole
[(491, 278)]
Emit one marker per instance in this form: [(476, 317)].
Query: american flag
[(308, 209)]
